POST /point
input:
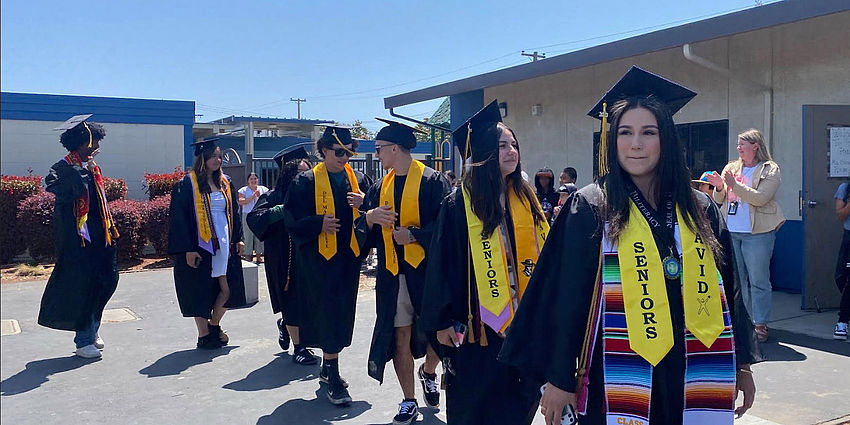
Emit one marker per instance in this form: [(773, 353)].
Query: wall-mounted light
[(503, 109)]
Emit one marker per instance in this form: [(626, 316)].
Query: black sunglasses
[(340, 152), (378, 148)]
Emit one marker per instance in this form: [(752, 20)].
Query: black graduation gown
[(278, 254), (483, 390), (196, 289), (432, 189), (547, 334), (327, 288), (85, 277)]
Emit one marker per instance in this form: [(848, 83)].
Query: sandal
[(761, 333), (217, 333)]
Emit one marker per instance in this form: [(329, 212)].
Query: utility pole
[(534, 56), (298, 101)]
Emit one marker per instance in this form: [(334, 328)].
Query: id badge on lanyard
[(733, 208)]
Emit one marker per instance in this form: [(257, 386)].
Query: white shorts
[(403, 306)]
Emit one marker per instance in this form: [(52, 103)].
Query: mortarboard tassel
[(603, 141)]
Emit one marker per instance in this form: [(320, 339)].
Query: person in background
[(320, 210), (248, 196), (569, 175), (702, 184), (400, 220), (266, 221), (842, 274), (86, 274), (747, 190), (205, 240), (544, 183), (564, 194), (452, 179)]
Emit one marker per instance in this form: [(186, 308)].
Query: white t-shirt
[(740, 221), (247, 192)]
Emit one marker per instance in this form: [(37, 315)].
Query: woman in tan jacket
[(747, 189)]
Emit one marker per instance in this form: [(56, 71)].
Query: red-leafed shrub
[(127, 215), (14, 189), (160, 184), (35, 218), (115, 189), (155, 223)]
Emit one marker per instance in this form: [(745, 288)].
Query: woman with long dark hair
[(266, 221), (656, 341), (205, 239), (486, 242)]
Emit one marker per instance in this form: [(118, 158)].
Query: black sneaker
[(337, 392), (304, 356), (282, 335), (408, 412), (429, 387), (208, 342), (325, 377)]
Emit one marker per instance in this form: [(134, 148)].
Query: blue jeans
[(752, 254), (88, 335)]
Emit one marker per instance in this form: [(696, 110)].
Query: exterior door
[(821, 229)]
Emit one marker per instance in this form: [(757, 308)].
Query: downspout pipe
[(726, 72)]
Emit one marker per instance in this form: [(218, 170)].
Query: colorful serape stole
[(709, 372)]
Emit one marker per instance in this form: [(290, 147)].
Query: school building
[(783, 68)]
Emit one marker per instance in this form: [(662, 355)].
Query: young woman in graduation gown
[(266, 221), (488, 236), (205, 241), (86, 274), (661, 342), (320, 208)]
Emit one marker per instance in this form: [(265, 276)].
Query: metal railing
[(267, 170)]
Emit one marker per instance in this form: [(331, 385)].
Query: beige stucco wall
[(128, 151), (807, 62)]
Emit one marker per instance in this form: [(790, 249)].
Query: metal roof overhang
[(756, 18)]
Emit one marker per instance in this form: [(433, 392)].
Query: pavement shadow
[(179, 361), (38, 372), (277, 373), (317, 411), (773, 351), (427, 416)]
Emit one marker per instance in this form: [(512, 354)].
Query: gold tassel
[(470, 334), (603, 141), (483, 341)]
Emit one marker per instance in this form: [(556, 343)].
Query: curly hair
[(73, 138)]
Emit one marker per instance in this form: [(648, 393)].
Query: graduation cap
[(289, 154), (339, 134), (398, 133), (639, 82), (73, 122), (470, 138), (635, 83), (205, 144)]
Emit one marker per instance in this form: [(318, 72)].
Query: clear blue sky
[(344, 57)]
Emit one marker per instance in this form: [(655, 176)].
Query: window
[(706, 146)]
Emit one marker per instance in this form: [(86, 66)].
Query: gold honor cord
[(603, 141), (343, 146), (91, 141)]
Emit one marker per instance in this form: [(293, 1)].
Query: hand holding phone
[(568, 414)]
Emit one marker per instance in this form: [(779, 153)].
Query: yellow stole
[(202, 216), (414, 253), (490, 262), (648, 321), (325, 206)]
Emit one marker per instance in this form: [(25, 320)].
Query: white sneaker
[(88, 352), (840, 331), (98, 343)]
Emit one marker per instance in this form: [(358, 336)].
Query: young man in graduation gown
[(86, 274), (401, 216), (320, 208), (661, 342), (266, 221), (485, 246)]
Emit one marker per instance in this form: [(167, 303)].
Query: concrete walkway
[(151, 373)]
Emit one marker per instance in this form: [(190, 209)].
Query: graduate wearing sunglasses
[(319, 211)]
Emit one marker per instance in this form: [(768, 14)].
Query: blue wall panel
[(786, 267)]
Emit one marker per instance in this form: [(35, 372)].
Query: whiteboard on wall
[(839, 151)]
